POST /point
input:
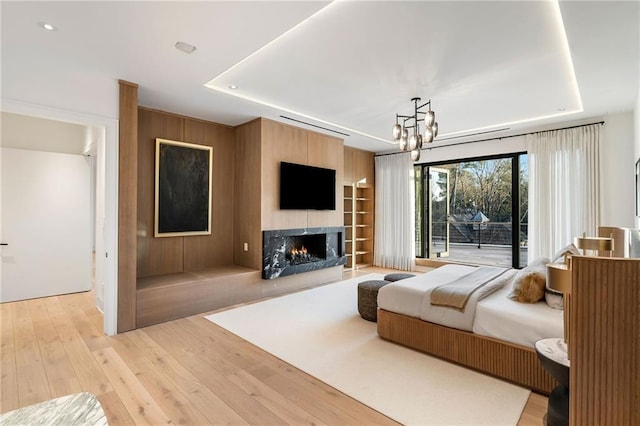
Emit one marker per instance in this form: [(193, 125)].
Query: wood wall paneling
[(349, 175), (127, 205), (364, 167), (327, 151), (245, 201), (280, 142), (206, 251), (605, 341), (156, 256), (359, 166), (166, 255), (247, 225)]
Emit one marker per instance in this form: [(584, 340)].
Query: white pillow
[(569, 249), (553, 298)]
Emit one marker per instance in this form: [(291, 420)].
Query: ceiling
[(346, 66)]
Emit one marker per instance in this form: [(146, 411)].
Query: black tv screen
[(307, 187)]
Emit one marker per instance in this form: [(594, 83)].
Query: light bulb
[(428, 135), (434, 128), (413, 142), (396, 131), (429, 118), (415, 155), (404, 137), (403, 144)]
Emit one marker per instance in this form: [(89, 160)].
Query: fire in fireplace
[(305, 249), (297, 256)]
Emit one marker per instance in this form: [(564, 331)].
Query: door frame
[(429, 199), (110, 141)]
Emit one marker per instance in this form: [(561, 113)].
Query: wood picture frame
[(183, 183)]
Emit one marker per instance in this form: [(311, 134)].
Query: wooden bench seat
[(172, 296)]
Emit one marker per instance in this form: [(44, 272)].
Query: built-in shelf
[(358, 208)]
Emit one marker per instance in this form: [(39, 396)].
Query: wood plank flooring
[(187, 371)]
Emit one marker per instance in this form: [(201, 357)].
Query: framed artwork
[(182, 189), (638, 188)]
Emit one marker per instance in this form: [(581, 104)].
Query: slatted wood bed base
[(514, 363)]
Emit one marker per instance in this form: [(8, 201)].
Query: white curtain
[(395, 215), (564, 193)]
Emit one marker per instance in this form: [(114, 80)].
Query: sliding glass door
[(473, 210)]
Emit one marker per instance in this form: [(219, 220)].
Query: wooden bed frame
[(508, 361)]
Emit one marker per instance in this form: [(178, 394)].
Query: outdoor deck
[(495, 255)]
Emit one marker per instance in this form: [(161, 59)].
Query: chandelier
[(415, 141)]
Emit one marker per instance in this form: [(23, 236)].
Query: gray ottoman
[(368, 298), (397, 277)]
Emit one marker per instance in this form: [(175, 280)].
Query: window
[(466, 210)]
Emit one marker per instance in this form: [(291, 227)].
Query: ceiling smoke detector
[(185, 47)]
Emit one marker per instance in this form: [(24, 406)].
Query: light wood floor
[(187, 371)]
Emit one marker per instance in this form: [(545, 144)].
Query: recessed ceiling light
[(233, 87), (47, 26), (185, 47)]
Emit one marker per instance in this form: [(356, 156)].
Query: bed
[(493, 334)]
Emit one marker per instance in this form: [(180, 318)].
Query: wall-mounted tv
[(306, 187)]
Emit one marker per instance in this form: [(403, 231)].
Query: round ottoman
[(397, 277), (368, 298)]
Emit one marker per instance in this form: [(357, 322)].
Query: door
[(45, 224), (438, 212)]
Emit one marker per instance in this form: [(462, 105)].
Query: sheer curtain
[(395, 216), (564, 190)]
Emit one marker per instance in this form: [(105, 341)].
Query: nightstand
[(555, 359)]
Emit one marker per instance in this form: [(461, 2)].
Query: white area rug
[(320, 332)]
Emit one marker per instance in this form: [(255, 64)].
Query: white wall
[(100, 216), (478, 149), (617, 171), (46, 221), (617, 161), (636, 150), (63, 89)]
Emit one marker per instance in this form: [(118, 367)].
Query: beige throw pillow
[(529, 283)]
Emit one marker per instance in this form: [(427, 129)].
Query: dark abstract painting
[(183, 189)]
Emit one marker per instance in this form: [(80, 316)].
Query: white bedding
[(521, 323), (405, 296), (412, 296), (494, 316)]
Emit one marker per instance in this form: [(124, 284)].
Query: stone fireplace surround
[(324, 249)]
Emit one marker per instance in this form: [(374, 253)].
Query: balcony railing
[(490, 245)]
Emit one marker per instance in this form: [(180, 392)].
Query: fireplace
[(293, 251)]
